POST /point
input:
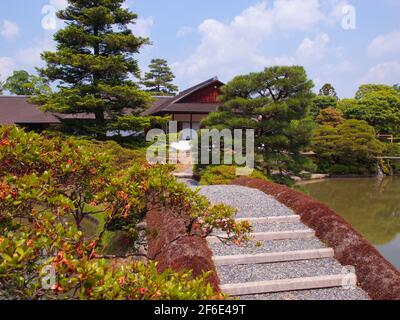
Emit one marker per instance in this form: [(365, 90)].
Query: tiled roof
[(172, 104), (17, 109)]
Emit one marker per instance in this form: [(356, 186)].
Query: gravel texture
[(189, 182), (277, 271), (254, 247), (254, 203), (248, 202), (275, 227), (320, 294)]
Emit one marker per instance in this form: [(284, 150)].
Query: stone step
[(258, 247), (183, 175), (277, 227), (277, 219), (230, 274), (279, 235), (274, 227), (305, 283), (330, 294), (273, 257)]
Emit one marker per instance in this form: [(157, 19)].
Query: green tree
[(22, 83), (159, 79), (397, 87), (1, 86), (275, 104), (369, 88), (379, 105), (94, 62), (320, 103), (350, 147), (328, 90), (331, 117)]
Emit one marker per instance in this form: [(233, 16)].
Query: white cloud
[(311, 50), (6, 67), (184, 31), (30, 56), (227, 48), (142, 26), (337, 8), (237, 46), (9, 29), (385, 44), (297, 14), (385, 73), (59, 4)]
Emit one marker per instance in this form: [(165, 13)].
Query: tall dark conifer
[(159, 79), (94, 64)]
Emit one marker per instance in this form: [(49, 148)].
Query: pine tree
[(1, 86), (94, 63), (328, 90), (275, 104), (159, 80)]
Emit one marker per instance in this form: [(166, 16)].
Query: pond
[(370, 205)]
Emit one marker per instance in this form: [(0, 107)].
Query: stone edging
[(375, 274), (170, 245)]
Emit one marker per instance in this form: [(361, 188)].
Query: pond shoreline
[(344, 177), (370, 205)]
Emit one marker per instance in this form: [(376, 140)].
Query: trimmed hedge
[(223, 174), (172, 246), (376, 275)]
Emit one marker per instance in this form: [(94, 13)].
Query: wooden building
[(188, 108)]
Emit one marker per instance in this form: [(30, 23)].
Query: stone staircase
[(284, 256), (284, 260)]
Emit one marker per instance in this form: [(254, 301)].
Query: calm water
[(370, 205)]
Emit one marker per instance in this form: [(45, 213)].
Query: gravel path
[(252, 203), (248, 202)]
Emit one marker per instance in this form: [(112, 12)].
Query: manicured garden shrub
[(220, 175), (28, 257), (47, 183), (350, 147)]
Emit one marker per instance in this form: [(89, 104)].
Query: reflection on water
[(370, 205)]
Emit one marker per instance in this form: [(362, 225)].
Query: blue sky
[(223, 38)]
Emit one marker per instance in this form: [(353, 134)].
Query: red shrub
[(163, 228), (172, 247), (376, 275), (189, 253)]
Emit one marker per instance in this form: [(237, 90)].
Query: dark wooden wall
[(209, 94)]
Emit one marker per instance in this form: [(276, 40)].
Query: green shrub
[(50, 185), (393, 166), (348, 148), (223, 175)]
